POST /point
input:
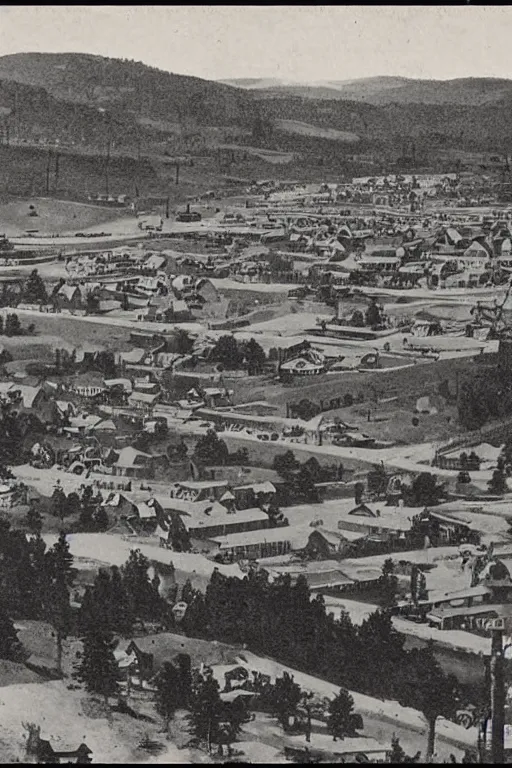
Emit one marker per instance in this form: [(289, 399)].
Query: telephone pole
[(57, 169), (48, 165), (107, 164), (497, 695)]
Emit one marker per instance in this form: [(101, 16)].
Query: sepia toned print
[(255, 384)]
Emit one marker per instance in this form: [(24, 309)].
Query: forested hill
[(128, 87), (83, 99)]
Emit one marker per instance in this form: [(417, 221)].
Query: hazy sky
[(293, 43)]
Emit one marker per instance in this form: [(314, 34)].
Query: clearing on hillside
[(306, 129)]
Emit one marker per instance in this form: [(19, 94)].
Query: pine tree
[(12, 325), (227, 352), (254, 357), (187, 592), (87, 507), (342, 719), (205, 710), (102, 600), (58, 612), (60, 576), (86, 619), (34, 520), (10, 647), (210, 449), (286, 698), (58, 503), (167, 692), (34, 291), (137, 585), (60, 561), (418, 585), (497, 485), (388, 583), (195, 622), (285, 464), (100, 519), (72, 504), (397, 754), (424, 686), (97, 668), (184, 664), (122, 616)]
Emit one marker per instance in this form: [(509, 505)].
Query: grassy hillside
[(306, 129)]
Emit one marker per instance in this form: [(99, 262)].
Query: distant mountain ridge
[(470, 91)]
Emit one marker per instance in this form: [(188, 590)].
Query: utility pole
[(48, 164), (107, 163), (167, 208), (56, 182), (15, 113), (497, 696), (177, 173)]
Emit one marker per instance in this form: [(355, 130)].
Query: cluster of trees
[(370, 658), (498, 485), (118, 599), (173, 688), (34, 291), (216, 722), (233, 355), (372, 318), (424, 491), (388, 585), (389, 589), (301, 478), (307, 409), (482, 398), (93, 516), (469, 461), (377, 480), (65, 362), (211, 450), (13, 327), (121, 597), (35, 583), (10, 647), (212, 721)]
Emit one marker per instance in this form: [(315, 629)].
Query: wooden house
[(324, 543), (69, 297)]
